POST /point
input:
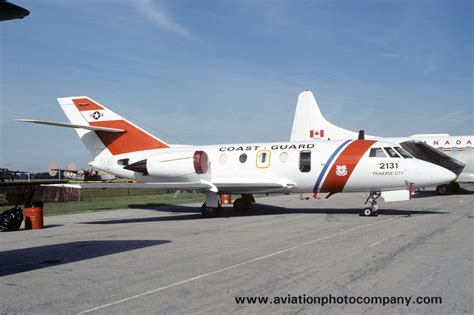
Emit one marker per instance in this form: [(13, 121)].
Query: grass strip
[(111, 203)]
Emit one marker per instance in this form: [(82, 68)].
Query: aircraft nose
[(434, 174), (444, 175)]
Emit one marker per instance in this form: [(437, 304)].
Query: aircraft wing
[(197, 186), (249, 187), (67, 125), (201, 186)]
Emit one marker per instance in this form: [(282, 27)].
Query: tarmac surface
[(168, 259)]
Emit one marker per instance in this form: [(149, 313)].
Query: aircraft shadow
[(33, 258), (196, 216), (256, 210), (261, 209), (164, 207), (432, 193)]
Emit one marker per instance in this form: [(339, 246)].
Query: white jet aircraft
[(122, 148), (310, 125)]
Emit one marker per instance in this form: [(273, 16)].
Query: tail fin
[(85, 111), (309, 123)]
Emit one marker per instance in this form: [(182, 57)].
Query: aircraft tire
[(241, 204), (367, 212), (210, 212), (442, 189), (248, 197)]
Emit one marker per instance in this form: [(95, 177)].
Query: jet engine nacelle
[(178, 163)]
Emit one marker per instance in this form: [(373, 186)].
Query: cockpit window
[(391, 152), (376, 152), (403, 153)]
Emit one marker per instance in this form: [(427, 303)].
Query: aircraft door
[(305, 161)]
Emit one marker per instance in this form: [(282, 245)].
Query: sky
[(209, 72)]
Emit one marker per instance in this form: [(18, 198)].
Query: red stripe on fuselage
[(349, 158), (132, 140), (84, 104)]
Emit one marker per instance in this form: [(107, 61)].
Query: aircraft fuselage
[(332, 166)]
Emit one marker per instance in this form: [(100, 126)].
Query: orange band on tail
[(84, 104), (133, 139)]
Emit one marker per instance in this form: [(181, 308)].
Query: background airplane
[(72, 173), (309, 124), (122, 148), (5, 173)]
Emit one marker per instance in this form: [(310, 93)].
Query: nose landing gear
[(447, 189), (371, 211)]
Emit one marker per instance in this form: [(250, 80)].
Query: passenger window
[(243, 158), (305, 161), (403, 153), (391, 152), (284, 157), (223, 158), (377, 152), (263, 159)]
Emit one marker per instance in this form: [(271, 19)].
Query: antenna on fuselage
[(361, 135)]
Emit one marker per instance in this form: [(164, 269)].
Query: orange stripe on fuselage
[(84, 104), (133, 139), (349, 157)]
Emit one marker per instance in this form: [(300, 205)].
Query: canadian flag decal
[(316, 133)]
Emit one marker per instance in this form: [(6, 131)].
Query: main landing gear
[(371, 211), (212, 208), (446, 189), (244, 203), (210, 212)]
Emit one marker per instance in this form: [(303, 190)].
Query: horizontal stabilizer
[(67, 125)]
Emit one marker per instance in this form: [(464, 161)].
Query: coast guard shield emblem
[(341, 170)]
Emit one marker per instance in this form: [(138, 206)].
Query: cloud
[(149, 9)]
